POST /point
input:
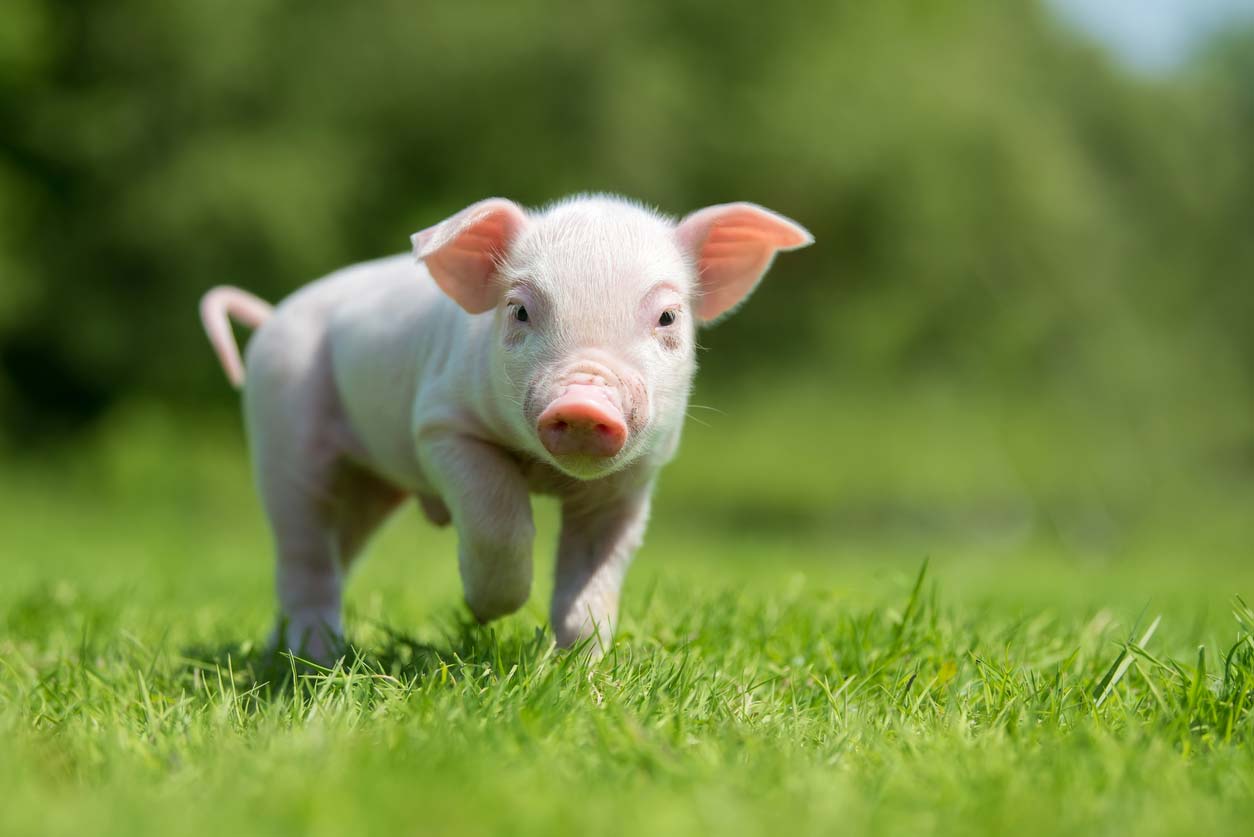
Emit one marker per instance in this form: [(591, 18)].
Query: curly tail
[(217, 308)]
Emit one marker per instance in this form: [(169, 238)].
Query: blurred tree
[(990, 196)]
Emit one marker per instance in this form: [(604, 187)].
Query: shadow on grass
[(257, 675)]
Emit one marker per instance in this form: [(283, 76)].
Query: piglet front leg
[(598, 540), (487, 497)]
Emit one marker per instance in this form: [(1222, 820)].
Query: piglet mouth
[(584, 420)]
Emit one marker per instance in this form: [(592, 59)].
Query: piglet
[(546, 351)]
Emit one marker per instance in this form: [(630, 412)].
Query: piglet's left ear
[(732, 245)]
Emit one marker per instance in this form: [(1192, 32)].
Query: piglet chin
[(583, 423)]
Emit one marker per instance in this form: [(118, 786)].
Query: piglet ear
[(732, 245), (464, 252)]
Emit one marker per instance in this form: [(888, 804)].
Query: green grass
[(1073, 658)]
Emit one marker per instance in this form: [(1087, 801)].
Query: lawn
[(948, 617)]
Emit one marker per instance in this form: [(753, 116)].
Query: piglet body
[(549, 351)]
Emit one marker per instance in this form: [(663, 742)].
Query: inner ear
[(732, 246), (464, 252)]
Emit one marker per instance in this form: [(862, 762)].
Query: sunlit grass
[(920, 666)]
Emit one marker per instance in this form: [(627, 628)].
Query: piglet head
[(591, 307)]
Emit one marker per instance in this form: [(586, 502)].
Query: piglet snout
[(582, 421)]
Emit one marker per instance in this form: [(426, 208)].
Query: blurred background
[(1025, 327)]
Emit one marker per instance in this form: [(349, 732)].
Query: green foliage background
[(997, 206), (1021, 349)]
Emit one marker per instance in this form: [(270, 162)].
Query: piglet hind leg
[(309, 580), (321, 507), (321, 524), (598, 540), (319, 528)]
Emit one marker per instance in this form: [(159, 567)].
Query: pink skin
[(527, 352), (582, 421), (216, 310)]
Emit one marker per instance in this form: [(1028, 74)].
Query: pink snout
[(582, 421)]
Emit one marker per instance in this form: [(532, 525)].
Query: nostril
[(582, 424)]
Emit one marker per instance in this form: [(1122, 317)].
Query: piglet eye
[(520, 314), (667, 318)]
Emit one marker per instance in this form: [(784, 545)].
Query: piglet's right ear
[(464, 252)]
